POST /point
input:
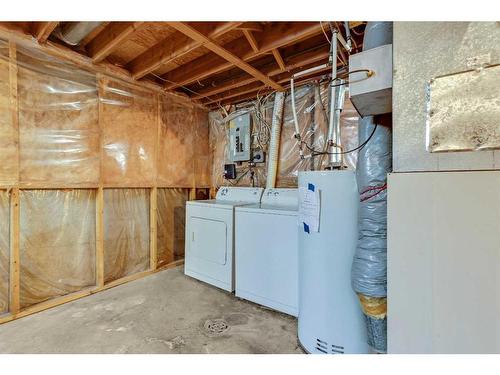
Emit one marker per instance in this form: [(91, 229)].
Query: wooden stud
[(14, 300), (101, 82), (153, 222), (279, 59), (251, 40), (110, 38), (100, 237), (42, 30), (224, 53), (192, 194), (14, 293)]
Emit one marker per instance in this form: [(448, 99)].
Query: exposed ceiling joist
[(224, 53), (282, 78), (42, 30), (251, 92), (173, 48), (93, 34), (294, 62), (251, 40), (110, 38), (251, 26), (273, 37), (279, 59)]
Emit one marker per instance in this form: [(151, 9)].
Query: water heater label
[(309, 208)]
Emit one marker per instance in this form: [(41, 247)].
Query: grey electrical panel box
[(239, 138), (371, 95)]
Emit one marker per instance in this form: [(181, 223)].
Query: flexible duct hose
[(274, 145), (369, 268)]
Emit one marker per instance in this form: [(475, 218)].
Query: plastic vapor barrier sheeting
[(58, 121), (67, 116), (57, 243), (171, 208), (129, 120), (4, 250), (126, 232), (312, 113), (176, 144)]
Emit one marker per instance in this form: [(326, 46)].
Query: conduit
[(274, 146)]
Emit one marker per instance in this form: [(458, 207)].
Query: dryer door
[(208, 239)]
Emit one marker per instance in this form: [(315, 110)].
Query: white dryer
[(210, 235), (266, 251)]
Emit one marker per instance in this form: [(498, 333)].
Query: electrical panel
[(371, 95), (239, 138)]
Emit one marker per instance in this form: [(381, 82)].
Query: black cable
[(315, 153)]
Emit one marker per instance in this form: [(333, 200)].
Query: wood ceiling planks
[(209, 61)]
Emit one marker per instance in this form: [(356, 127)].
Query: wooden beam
[(251, 26), (224, 53), (60, 51), (294, 62), (251, 40), (170, 49), (250, 91), (42, 30), (110, 38), (279, 59), (93, 34), (273, 36)]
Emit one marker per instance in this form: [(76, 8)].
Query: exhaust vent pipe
[(72, 33)]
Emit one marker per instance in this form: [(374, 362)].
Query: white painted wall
[(444, 262)]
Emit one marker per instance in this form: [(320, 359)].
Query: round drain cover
[(216, 326)]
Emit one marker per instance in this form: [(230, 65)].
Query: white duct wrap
[(274, 146)]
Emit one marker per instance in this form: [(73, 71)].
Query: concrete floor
[(162, 313)]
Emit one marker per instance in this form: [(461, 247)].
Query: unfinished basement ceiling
[(213, 63)]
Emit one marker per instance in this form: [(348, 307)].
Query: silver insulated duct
[(369, 268), (72, 33)]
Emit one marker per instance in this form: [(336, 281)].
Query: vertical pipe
[(334, 149), (279, 101)]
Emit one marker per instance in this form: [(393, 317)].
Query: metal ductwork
[(73, 33)]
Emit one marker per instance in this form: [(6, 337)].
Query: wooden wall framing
[(152, 184)]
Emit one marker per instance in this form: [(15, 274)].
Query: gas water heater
[(330, 318)]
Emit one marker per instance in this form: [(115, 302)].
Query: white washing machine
[(210, 235), (266, 251)]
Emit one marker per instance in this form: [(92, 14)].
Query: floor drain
[(216, 326)]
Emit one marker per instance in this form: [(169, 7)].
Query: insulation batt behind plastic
[(311, 100), (126, 232), (171, 206), (68, 115), (67, 130), (57, 243)]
